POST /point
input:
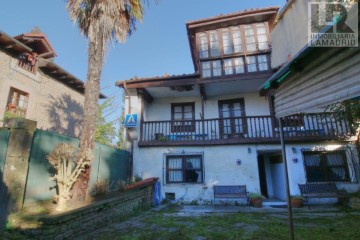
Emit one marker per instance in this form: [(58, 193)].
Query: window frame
[(184, 157), (323, 168), (243, 53), (183, 127), (233, 118), (28, 62), (14, 100)]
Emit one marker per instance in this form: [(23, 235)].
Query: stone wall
[(52, 104), (86, 219)]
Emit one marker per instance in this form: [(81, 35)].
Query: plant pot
[(296, 202), (256, 202), (142, 183)]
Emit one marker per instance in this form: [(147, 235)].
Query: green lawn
[(171, 223), (340, 224)]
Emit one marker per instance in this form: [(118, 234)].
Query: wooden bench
[(234, 191), (320, 190)]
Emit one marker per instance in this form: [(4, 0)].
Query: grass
[(165, 225), (168, 223)]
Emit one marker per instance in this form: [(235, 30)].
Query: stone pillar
[(17, 160)]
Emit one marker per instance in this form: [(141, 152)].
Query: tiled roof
[(41, 37), (165, 77), (48, 67), (244, 12)]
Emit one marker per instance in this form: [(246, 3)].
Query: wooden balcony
[(243, 130)]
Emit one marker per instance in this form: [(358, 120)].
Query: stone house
[(34, 87)]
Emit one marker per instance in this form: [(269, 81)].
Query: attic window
[(27, 61)]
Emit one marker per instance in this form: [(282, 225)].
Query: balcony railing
[(249, 129)]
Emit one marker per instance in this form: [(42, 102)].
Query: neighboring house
[(213, 127), (34, 87), (310, 78)]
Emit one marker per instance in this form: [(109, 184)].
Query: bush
[(100, 189)]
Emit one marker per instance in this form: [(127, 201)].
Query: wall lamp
[(249, 150)]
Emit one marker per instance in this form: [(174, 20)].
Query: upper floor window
[(211, 68), (257, 63), (227, 46), (262, 36), (236, 34), (237, 39), (17, 103), (28, 61), (234, 66), (203, 46), (183, 116), (214, 44), (250, 38), (232, 123)]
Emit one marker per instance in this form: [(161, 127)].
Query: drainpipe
[(131, 168), (290, 219), (128, 97)]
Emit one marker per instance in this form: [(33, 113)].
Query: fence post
[(17, 160)]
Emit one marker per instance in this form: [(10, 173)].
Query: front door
[(232, 114)]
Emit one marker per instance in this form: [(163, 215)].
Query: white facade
[(221, 163), (250, 152)]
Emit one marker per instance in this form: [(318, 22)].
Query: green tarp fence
[(109, 164), (4, 198), (4, 138)]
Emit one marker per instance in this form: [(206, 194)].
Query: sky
[(158, 46)]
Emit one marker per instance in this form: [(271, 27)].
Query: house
[(32, 86), (315, 72), (215, 126)]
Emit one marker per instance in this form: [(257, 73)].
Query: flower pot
[(256, 202), (296, 202), (142, 183)]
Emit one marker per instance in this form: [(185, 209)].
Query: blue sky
[(158, 46)]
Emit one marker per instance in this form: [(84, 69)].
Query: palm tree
[(100, 21)]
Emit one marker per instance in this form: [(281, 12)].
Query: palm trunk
[(92, 92)]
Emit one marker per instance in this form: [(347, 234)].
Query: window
[(234, 65), (28, 61), (206, 69), (250, 38), (17, 102), (228, 65), (263, 62), (236, 34), (183, 168), (243, 42), (232, 113), (326, 166), (203, 46), (183, 116), (226, 41), (251, 63), (211, 68), (262, 36), (239, 65), (216, 68), (214, 44)]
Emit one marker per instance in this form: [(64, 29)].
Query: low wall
[(86, 219)]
